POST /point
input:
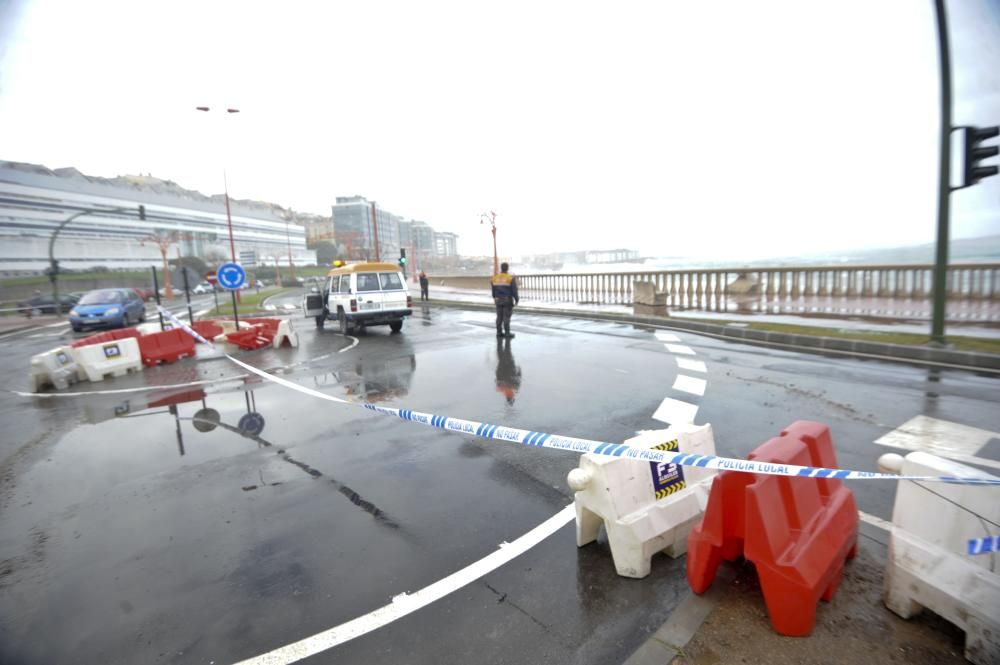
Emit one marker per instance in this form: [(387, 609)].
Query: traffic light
[(402, 257), (976, 152)]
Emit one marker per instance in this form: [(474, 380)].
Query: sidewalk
[(736, 327), (963, 329)]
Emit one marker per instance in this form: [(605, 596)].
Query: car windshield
[(103, 297)]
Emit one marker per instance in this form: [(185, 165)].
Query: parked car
[(145, 294), (115, 308), (204, 287), (45, 304)]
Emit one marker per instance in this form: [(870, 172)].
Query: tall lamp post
[(225, 183), (491, 217), (54, 265)]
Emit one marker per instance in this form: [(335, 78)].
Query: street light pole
[(54, 265), (492, 217), (225, 182)]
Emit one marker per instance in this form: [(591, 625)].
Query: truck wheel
[(320, 320), (396, 326), (345, 328)]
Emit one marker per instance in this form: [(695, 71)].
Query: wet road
[(216, 522)]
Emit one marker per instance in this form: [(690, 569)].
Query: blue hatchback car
[(113, 308)]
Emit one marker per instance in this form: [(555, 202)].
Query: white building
[(35, 200)]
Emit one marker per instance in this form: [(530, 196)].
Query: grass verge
[(251, 302)]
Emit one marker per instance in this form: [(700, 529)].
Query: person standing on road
[(424, 283), (504, 288)]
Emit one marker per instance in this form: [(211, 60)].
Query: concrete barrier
[(645, 507), (57, 368), (647, 301), (116, 358), (929, 563)]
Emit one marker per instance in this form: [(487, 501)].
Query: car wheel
[(142, 315), (345, 327), (77, 328), (396, 326)]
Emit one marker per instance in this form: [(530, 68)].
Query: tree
[(326, 252), (163, 240)]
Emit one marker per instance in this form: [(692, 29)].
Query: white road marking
[(875, 521), (691, 365), (680, 348), (942, 438), (689, 384), (353, 344), (675, 412), (37, 335), (664, 336), (404, 603)]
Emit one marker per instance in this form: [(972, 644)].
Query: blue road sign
[(251, 423), (231, 276)]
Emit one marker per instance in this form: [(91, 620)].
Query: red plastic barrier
[(269, 325), (165, 347), (107, 336), (207, 329), (797, 531), (251, 338)]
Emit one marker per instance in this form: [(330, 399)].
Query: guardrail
[(696, 288)]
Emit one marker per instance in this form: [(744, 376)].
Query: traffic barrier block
[(166, 347), (250, 339), (57, 368), (645, 507), (113, 358), (151, 327), (107, 336), (929, 564), (207, 329), (797, 531), (285, 334)]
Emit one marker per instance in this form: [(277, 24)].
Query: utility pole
[(378, 252)]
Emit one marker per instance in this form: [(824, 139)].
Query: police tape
[(984, 545), (577, 445)]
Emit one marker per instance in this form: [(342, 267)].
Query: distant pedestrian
[(424, 284), (504, 289)]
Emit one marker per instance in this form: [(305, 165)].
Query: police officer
[(504, 287)]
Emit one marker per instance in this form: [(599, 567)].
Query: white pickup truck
[(361, 295)]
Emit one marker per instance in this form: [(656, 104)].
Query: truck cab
[(360, 295)]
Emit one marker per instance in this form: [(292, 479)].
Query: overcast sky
[(710, 129)]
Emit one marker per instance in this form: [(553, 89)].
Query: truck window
[(367, 282), (345, 284), (390, 281)]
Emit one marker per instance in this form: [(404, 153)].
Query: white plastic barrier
[(929, 564), (57, 368), (285, 331), (646, 507), (115, 358)]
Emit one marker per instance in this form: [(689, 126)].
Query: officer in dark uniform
[(504, 287)]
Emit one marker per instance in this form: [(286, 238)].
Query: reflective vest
[(503, 285)]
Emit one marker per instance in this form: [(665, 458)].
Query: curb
[(921, 355)]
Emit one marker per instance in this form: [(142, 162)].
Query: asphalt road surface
[(219, 521)]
